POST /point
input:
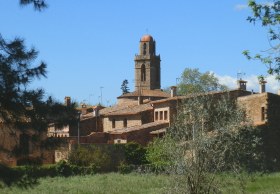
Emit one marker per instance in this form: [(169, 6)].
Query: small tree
[(193, 81), (210, 135), (124, 87)]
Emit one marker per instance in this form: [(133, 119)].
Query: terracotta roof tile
[(129, 109), (198, 94), (146, 93)]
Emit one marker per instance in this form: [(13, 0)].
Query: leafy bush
[(93, 157), (63, 169), (158, 153), (7, 175), (124, 168), (135, 154)]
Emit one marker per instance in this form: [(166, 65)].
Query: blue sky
[(91, 44)]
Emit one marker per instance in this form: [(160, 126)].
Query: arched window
[(143, 73), (144, 49)]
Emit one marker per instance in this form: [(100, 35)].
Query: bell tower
[(147, 65)]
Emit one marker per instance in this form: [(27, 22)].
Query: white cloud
[(240, 7), (252, 82)]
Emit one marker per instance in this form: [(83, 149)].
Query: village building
[(141, 115), (145, 113)]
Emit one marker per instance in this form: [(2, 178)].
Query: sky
[(89, 47)]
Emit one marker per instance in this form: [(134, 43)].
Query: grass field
[(114, 183)]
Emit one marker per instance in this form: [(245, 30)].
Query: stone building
[(145, 113)]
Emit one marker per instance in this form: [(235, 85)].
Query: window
[(165, 115), (125, 122), (262, 114), (161, 115), (144, 49), (143, 73), (156, 115), (113, 123)]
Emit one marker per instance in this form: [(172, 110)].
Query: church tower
[(147, 65)]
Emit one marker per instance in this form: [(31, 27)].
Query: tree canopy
[(21, 106), (37, 4), (209, 135), (124, 87), (268, 14), (193, 81)]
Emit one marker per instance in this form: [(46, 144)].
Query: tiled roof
[(127, 110), (146, 93), (197, 95), (136, 128)]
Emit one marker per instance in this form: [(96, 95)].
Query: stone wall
[(141, 136), (132, 120), (87, 126), (256, 107)]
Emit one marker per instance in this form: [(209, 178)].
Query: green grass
[(112, 183), (265, 184), (115, 183)]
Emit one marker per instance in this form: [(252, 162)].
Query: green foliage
[(124, 87), (158, 153), (125, 168), (7, 175), (193, 81), (63, 169), (268, 14), (18, 102), (38, 5), (135, 154), (90, 156), (210, 135), (138, 184)]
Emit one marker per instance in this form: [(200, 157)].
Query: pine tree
[(124, 87), (20, 106)]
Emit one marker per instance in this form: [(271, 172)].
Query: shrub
[(158, 153), (135, 154), (93, 157), (63, 169)]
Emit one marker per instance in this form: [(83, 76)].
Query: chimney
[(67, 101), (262, 86), (173, 91), (241, 84)]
